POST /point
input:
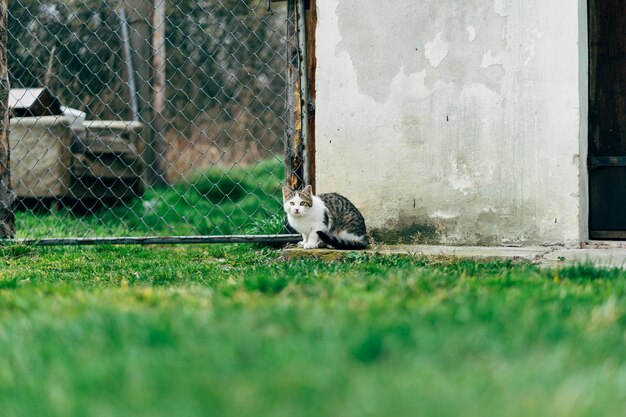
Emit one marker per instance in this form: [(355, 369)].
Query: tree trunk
[(7, 219)]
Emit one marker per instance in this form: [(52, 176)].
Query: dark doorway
[(607, 119)]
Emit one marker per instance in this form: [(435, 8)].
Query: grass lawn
[(220, 201), (237, 331)]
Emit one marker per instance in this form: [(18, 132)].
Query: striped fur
[(338, 243)]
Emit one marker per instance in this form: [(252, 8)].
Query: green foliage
[(230, 331), (8, 284), (266, 283), (15, 251), (219, 187), (217, 202)]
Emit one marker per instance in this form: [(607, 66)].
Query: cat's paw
[(301, 244), (310, 246)]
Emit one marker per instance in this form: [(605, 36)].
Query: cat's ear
[(308, 190), (287, 192)]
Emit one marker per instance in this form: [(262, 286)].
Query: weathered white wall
[(454, 122)]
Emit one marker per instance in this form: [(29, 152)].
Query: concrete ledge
[(614, 258), (539, 255), (527, 254), (474, 252)]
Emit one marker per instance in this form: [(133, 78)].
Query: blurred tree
[(87, 66), (225, 63)]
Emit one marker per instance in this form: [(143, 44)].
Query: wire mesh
[(101, 149)]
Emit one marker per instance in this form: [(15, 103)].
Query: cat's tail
[(352, 242)]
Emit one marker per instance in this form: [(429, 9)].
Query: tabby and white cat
[(331, 218)]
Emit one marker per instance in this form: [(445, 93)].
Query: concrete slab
[(609, 258), (604, 256), (521, 254), (474, 252)]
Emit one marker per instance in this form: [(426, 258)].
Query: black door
[(607, 118)]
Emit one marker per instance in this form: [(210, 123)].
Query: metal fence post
[(158, 166), (138, 14)]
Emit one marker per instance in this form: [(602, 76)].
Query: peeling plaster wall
[(455, 122)]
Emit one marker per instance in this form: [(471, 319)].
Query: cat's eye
[(292, 203), (302, 203)]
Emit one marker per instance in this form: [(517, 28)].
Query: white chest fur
[(305, 219), (311, 221)]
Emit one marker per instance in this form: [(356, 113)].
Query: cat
[(329, 218)]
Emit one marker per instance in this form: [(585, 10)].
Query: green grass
[(238, 331), (234, 331), (217, 202)]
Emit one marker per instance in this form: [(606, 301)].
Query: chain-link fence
[(137, 118)]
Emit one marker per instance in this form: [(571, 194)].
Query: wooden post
[(311, 27), (7, 219), (159, 145), (294, 146), (49, 68), (301, 65), (294, 162)]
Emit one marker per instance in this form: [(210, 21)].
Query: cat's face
[(297, 203)]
